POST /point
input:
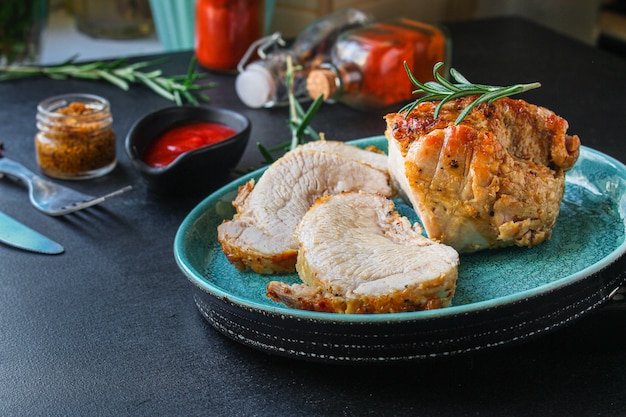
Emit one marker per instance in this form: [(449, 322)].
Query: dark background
[(110, 327)]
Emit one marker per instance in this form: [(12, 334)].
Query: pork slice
[(261, 234), (358, 255), (372, 157), (497, 179)]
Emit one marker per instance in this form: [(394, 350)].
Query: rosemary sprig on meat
[(443, 90), (176, 88)]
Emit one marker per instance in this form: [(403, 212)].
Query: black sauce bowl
[(192, 170)]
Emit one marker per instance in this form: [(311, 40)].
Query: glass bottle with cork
[(262, 83), (366, 69)]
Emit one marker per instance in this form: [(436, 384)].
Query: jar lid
[(255, 86), (321, 82)]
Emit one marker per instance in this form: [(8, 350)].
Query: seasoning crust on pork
[(261, 234), (496, 179), (358, 255)]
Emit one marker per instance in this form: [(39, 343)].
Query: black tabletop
[(110, 326)]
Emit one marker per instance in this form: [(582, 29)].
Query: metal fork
[(48, 197)]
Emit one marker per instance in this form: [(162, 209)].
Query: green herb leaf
[(267, 153), (303, 127), (177, 88), (299, 121), (444, 91), (113, 79)]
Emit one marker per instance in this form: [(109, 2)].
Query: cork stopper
[(321, 82)]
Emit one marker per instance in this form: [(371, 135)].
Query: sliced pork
[(358, 255), (261, 234)]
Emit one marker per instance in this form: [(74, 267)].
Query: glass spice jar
[(366, 69), (224, 31), (75, 139), (263, 82), (118, 19)]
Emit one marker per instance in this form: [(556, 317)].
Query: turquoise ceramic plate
[(502, 296)]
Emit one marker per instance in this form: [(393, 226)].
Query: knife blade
[(18, 235)]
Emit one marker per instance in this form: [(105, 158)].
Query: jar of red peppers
[(366, 67), (225, 29), (75, 139)]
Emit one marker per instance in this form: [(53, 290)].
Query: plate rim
[(451, 311)]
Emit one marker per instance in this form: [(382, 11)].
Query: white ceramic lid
[(255, 85)]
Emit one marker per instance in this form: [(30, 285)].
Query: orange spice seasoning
[(225, 29), (75, 139)]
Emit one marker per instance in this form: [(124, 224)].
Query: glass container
[(114, 19), (263, 82), (75, 139), (21, 23), (225, 29), (366, 67)]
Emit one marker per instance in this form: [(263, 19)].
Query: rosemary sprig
[(177, 88), (299, 121), (444, 90)]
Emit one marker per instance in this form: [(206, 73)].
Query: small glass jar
[(119, 19), (225, 29), (20, 36), (75, 139)]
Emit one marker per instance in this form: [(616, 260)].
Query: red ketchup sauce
[(185, 138)]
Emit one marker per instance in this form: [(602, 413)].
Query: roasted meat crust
[(526, 131), (305, 297), (497, 179)]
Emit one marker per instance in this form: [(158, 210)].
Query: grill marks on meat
[(497, 179), (358, 255), (260, 235)]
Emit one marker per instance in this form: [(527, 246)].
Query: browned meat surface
[(495, 180), (260, 235), (358, 255)]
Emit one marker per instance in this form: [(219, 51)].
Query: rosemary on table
[(299, 121), (443, 90), (176, 88)]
